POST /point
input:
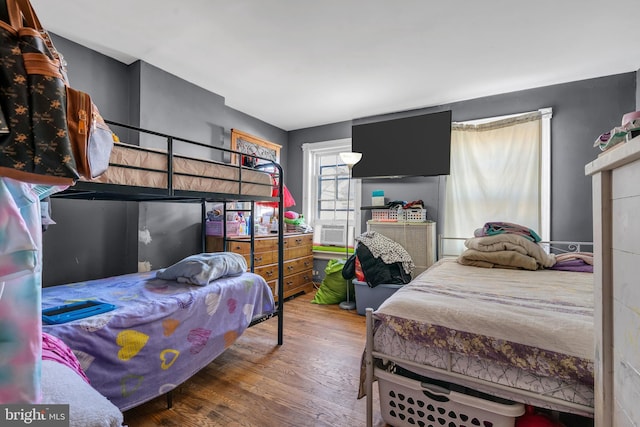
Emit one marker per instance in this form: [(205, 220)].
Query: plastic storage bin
[(413, 215), (384, 214), (405, 402), (214, 228), (399, 215), (372, 297)]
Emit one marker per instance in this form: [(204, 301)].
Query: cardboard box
[(378, 201)]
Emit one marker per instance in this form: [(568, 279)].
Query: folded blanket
[(574, 261), (497, 259), (573, 265), (512, 242), (500, 227), (587, 257)]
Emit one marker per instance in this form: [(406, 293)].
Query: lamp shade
[(350, 158)]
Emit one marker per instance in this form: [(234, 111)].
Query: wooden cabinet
[(418, 239), (616, 268), (297, 261)]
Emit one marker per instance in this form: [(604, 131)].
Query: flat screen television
[(409, 146)]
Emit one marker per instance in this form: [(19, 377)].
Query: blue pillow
[(202, 268)]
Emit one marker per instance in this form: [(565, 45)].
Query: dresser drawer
[(292, 283), (298, 252), (243, 248), (298, 240), (260, 245), (261, 258), (264, 258), (265, 244), (269, 272), (298, 265)]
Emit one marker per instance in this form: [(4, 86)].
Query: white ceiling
[(300, 63)]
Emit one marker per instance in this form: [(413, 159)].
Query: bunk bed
[(164, 328), (461, 330)]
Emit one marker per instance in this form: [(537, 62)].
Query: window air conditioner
[(333, 235)]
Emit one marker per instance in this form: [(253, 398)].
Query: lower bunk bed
[(162, 330), (453, 343)]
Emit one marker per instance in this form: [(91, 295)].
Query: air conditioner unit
[(333, 235)]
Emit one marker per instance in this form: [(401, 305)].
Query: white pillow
[(202, 268), (87, 408)]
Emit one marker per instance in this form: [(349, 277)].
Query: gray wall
[(95, 239), (100, 238), (581, 112), (86, 242)]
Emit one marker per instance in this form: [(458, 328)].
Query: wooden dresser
[(616, 237), (298, 259)]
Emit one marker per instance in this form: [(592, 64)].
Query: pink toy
[(291, 215)]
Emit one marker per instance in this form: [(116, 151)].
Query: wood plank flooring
[(311, 380)]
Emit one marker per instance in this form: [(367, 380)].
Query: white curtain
[(495, 176)]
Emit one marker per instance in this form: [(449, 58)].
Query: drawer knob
[(257, 258), (269, 273)]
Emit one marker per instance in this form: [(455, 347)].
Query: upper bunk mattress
[(161, 332), (147, 167)]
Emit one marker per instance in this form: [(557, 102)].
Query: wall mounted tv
[(409, 146)]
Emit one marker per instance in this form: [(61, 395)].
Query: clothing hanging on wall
[(20, 290)]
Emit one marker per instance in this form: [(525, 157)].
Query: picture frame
[(255, 146)]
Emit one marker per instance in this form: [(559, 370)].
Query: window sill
[(328, 253)]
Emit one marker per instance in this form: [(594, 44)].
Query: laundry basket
[(384, 215), (405, 402)]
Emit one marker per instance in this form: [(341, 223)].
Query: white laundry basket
[(405, 402)]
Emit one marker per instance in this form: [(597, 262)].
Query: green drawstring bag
[(333, 289)]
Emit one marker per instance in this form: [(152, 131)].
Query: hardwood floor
[(311, 380)]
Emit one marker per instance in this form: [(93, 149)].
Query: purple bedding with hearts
[(161, 333)]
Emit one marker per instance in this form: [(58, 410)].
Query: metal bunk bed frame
[(87, 190)]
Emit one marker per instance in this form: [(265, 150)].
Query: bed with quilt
[(167, 324), (511, 331)]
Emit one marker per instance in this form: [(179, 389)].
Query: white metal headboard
[(555, 246)]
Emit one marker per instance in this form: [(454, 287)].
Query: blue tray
[(77, 310)]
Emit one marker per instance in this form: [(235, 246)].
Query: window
[(500, 171), (326, 187)]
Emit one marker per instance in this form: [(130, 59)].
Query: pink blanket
[(55, 349)]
